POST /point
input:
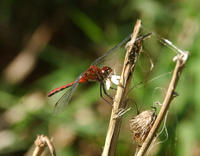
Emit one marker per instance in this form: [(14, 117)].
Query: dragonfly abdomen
[(60, 89)]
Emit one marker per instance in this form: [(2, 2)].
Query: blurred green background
[(45, 44)]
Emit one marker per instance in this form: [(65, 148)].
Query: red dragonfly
[(93, 73), (104, 75)]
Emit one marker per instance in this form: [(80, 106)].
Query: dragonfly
[(104, 74), (93, 73)]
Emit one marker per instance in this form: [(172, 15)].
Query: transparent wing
[(118, 46), (114, 57), (66, 97)]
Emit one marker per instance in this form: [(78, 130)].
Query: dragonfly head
[(109, 77), (106, 71)]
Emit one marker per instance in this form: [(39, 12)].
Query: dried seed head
[(141, 124)]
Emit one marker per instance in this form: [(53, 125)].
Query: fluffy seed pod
[(141, 124)]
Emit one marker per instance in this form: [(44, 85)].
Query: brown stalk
[(125, 79), (41, 143), (180, 62)]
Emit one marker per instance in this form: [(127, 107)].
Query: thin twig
[(41, 142), (180, 62), (125, 79)]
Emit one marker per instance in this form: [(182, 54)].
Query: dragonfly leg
[(101, 87), (105, 92)]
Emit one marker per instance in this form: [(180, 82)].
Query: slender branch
[(180, 62), (125, 79), (41, 142)]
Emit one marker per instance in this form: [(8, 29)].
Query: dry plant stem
[(23, 64), (25, 61), (125, 79), (180, 62), (41, 142)]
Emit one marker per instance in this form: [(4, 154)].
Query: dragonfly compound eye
[(106, 71)]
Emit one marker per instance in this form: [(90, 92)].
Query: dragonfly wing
[(101, 59), (114, 57), (118, 46), (66, 97)]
